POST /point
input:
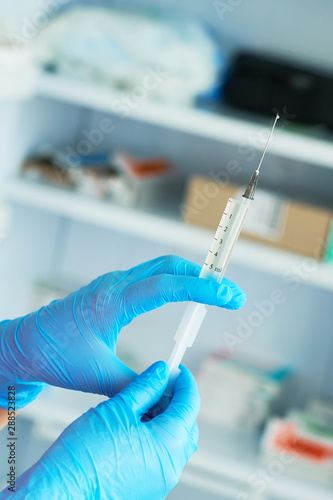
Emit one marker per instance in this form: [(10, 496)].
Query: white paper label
[(266, 216)]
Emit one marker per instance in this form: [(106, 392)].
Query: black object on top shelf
[(261, 84)]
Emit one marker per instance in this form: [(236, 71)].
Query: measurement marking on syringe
[(234, 215)]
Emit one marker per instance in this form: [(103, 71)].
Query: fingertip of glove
[(231, 297), (241, 299), (162, 368), (238, 300), (224, 295), (159, 368)]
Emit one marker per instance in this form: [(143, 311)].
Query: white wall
[(297, 29)]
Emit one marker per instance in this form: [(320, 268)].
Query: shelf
[(231, 458), (230, 476), (101, 213), (219, 127), (165, 229)]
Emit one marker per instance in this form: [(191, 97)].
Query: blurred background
[(125, 126)]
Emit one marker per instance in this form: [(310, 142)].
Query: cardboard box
[(272, 219)]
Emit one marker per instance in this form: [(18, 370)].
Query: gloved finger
[(122, 375), (168, 264), (103, 374), (195, 433), (239, 296), (229, 283), (184, 405), (25, 393), (156, 291), (146, 390), (194, 437)]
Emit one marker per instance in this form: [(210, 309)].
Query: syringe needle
[(269, 138), (251, 187)]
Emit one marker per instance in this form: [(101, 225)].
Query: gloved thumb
[(147, 389)]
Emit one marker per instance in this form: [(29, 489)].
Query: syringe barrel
[(225, 238), (214, 268)]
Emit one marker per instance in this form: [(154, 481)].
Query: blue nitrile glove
[(109, 454), (71, 343)]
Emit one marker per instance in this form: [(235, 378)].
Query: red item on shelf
[(286, 438)]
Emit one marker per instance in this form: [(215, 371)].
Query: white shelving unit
[(224, 467), (158, 228), (205, 124), (211, 470)]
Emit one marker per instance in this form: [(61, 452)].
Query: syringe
[(214, 268)]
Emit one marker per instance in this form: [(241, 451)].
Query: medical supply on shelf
[(274, 220), (149, 179), (329, 245), (321, 408), (214, 268), (18, 73), (143, 57), (238, 393), (300, 446), (277, 82), (128, 179)]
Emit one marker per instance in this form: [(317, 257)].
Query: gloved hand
[(71, 343), (109, 454)]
